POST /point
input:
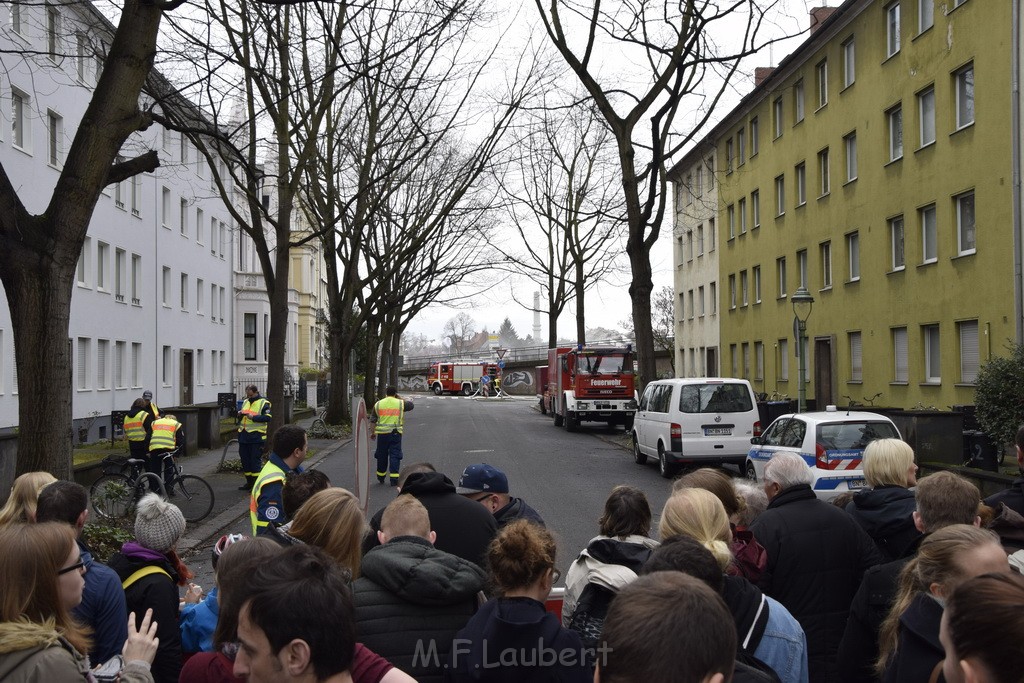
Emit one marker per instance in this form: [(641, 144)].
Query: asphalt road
[(566, 477)]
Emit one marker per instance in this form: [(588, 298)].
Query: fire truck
[(459, 377), (591, 385)]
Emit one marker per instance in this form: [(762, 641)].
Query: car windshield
[(853, 435), (715, 398), (599, 365)]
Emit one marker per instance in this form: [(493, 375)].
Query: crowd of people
[(451, 581)]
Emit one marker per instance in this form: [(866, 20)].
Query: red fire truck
[(591, 385), (459, 377)]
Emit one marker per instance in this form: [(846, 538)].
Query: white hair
[(787, 469)]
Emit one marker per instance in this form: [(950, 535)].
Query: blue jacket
[(198, 622), (102, 608), (783, 646)]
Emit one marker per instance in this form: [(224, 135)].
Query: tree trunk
[(338, 401), (277, 293), (581, 318), (640, 294)]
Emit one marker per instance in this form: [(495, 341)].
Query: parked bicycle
[(125, 480), (320, 422)]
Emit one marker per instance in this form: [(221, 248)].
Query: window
[(220, 313), (119, 356), (784, 360), (81, 57), (728, 156), (136, 280), (969, 351), (184, 148), (199, 225), (925, 15), (853, 252), (120, 271), (856, 358), (53, 33), (698, 183), (136, 195), (755, 208), (801, 184), (118, 196), (734, 361), (102, 266), (54, 138), (83, 263), (741, 146), (777, 111), (756, 271), (826, 265), (700, 301), (850, 145), (798, 101), (17, 16), (759, 360), (168, 368), (780, 267), (744, 288), (780, 195), (899, 354), (823, 173), (692, 309), (200, 288), (689, 245), (183, 217), (221, 232), (926, 115), (165, 207), (895, 117), (821, 76), (742, 208), (84, 351), (932, 358), (755, 136), (199, 367), (929, 240), (136, 364), (712, 235), (700, 240), (745, 349), (730, 212), (713, 297), (896, 240), (184, 292), (964, 96), (20, 120), (892, 29), (849, 64), (732, 291), (965, 235), (249, 335), (102, 352), (801, 266), (165, 296)]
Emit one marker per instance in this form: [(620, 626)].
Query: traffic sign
[(500, 352), (485, 379), (501, 364)]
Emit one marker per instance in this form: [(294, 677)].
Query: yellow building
[(309, 279), (875, 166)]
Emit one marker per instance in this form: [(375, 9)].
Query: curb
[(199, 537)]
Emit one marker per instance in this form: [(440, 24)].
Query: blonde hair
[(936, 562), (32, 556), (699, 514), (332, 521), (21, 504), (405, 516), (887, 461)]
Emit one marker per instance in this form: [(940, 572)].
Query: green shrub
[(999, 397), (107, 538)]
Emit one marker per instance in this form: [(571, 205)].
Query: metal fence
[(524, 353)]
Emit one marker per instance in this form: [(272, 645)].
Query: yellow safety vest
[(249, 410), (164, 431), (269, 474), (133, 426), (390, 415)]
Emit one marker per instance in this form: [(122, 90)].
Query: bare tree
[(459, 332), (675, 41), (663, 323)]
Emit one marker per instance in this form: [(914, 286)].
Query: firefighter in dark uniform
[(138, 428), (254, 417)]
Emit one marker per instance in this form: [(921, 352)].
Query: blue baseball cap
[(482, 478)]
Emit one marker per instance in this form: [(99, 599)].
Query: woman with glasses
[(512, 637), (43, 580)]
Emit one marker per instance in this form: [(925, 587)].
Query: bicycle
[(115, 494), (319, 422)]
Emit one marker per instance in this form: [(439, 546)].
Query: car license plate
[(717, 431), (854, 484)]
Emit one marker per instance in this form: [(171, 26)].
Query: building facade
[(876, 167)]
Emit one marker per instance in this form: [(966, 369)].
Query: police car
[(831, 442)]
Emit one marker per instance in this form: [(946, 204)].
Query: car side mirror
[(755, 440)]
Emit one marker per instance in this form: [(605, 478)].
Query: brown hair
[(414, 468), (985, 621), (717, 482), (21, 504), (626, 513), (300, 487), (650, 633), (32, 555), (332, 521), (935, 562), (945, 498), (235, 566), (405, 516), (519, 554)]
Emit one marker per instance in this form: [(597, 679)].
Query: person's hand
[(373, 436), (194, 593), (141, 643)]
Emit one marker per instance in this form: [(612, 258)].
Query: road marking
[(486, 450)]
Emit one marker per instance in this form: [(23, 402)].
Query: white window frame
[(728, 156), (53, 35), (84, 361), (964, 80), (970, 351), (102, 364), (783, 345), (778, 111), (925, 15), (823, 173), (165, 275), (732, 291), (798, 102), (929, 234), (926, 116), (853, 255), (755, 209), (700, 240), (741, 147), (780, 195), (755, 134), (120, 274), (165, 207), (780, 277), (821, 76), (850, 147), (932, 354), (21, 120), (826, 265), (756, 273), (892, 29), (856, 356), (800, 171), (184, 291), (744, 288), (54, 138), (713, 297), (741, 208), (966, 224), (730, 215), (894, 117), (897, 243), (183, 216), (801, 267), (849, 62), (102, 256), (900, 351)]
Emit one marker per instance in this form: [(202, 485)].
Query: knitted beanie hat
[(158, 524)]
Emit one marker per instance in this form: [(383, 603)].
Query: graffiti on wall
[(414, 383), (517, 378)]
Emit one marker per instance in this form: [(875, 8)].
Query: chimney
[(819, 15), (761, 73)]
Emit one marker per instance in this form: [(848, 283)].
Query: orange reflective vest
[(390, 415), (133, 426), (164, 432)]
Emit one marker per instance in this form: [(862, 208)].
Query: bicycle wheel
[(318, 426), (193, 496), (113, 496)]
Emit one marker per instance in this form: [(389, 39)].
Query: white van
[(700, 420)]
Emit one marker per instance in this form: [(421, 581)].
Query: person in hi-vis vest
[(254, 417), (389, 415), (138, 428), (168, 435)]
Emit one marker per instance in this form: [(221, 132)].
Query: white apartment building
[(153, 303)]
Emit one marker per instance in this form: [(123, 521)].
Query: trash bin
[(980, 451)]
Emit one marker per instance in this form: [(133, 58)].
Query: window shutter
[(899, 338), (856, 359), (969, 352)]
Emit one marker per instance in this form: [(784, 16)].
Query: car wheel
[(664, 468), (751, 472), (638, 457), (467, 389), (438, 390), (543, 408), (572, 423), (557, 416)]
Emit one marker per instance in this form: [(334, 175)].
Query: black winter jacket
[(1013, 497), (412, 598), (919, 651), (887, 514), (517, 508), (464, 528), (817, 555)]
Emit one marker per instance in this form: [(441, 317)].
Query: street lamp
[(802, 303)]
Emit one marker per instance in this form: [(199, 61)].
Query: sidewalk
[(229, 504)]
